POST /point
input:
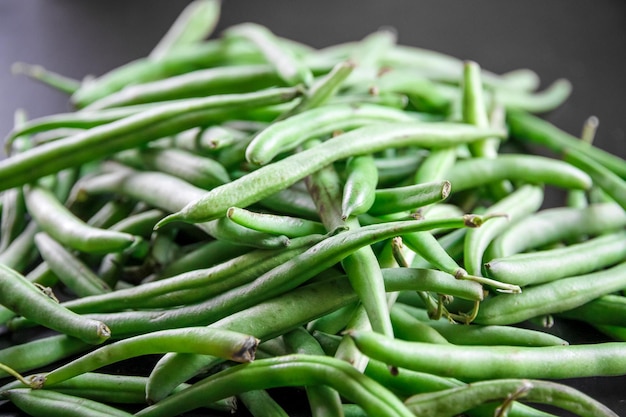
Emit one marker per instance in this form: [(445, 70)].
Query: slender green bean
[(57, 221), (24, 298), (359, 186), (289, 370), (410, 197), (223, 343), (453, 401), (275, 224), (548, 265), (552, 297), (45, 403), (605, 310), (490, 362), (269, 179), (194, 24)]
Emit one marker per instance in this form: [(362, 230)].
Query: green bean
[(24, 298), (269, 319), (474, 172), (129, 132), (474, 334), (13, 216), (290, 370), (423, 94), (548, 265), (361, 265), (524, 201), (527, 127), (323, 89), (360, 185), (260, 403), (193, 285), (197, 170), (407, 327), (52, 79), (275, 224), (45, 403), (184, 59), (56, 220), (290, 68), (204, 256), (453, 401), (110, 213), (437, 281), (223, 343), (407, 383), (74, 273), (291, 201), (287, 134), (558, 224), (41, 352), (269, 179), (605, 310), (200, 83), (490, 362), (552, 297), (410, 197), (394, 170), (195, 23), (607, 180), (22, 251)]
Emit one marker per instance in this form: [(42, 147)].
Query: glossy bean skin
[(552, 297), (359, 186), (456, 400), (290, 370), (24, 298), (74, 273), (285, 135), (227, 344), (58, 222), (525, 126), (470, 173), (490, 362), (269, 179), (558, 224), (548, 265), (410, 197), (127, 133), (607, 310), (49, 403)]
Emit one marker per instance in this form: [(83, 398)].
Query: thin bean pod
[(74, 273), (290, 370), (290, 68), (453, 401), (606, 310), (474, 172), (359, 186), (490, 362), (129, 132), (527, 127), (45, 403), (194, 24), (288, 134), (558, 224), (549, 265), (57, 221), (275, 224), (552, 297), (269, 179), (223, 343), (24, 298), (607, 180), (410, 197)]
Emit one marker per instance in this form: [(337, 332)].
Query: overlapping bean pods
[(342, 220)]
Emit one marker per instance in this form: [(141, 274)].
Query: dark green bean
[(359, 186), (410, 197), (605, 310)]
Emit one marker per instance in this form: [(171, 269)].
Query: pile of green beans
[(359, 227)]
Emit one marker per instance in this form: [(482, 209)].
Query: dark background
[(581, 40)]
